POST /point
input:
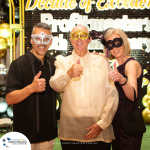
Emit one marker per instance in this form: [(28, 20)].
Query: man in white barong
[(89, 97)]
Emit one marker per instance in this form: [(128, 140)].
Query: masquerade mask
[(83, 35), (116, 42), (41, 38)]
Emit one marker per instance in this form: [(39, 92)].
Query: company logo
[(14, 141)]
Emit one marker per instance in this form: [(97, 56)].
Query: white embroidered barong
[(86, 100)]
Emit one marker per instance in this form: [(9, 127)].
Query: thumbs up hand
[(76, 70), (115, 75), (115, 67), (38, 85)]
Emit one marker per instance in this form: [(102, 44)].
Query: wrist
[(69, 74), (30, 89), (123, 82)]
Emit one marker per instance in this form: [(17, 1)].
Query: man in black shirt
[(34, 101)]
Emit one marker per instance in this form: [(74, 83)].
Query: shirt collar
[(32, 57), (85, 58)]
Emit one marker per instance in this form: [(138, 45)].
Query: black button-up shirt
[(25, 120)]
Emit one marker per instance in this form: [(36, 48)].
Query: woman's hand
[(116, 76)]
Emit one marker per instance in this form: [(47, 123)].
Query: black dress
[(122, 141)]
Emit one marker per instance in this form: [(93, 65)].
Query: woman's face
[(115, 45)]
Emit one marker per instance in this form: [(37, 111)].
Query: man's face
[(41, 40), (79, 38)]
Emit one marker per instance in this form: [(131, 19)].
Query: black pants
[(74, 145)]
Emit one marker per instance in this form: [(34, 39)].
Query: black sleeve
[(14, 78)]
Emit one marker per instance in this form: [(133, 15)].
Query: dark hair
[(95, 35), (42, 25)]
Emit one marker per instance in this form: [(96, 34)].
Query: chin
[(42, 54)]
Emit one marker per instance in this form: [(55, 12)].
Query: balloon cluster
[(5, 30), (5, 110), (4, 24), (146, 103)]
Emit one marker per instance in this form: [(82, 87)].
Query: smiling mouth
[(41, 47), (80, 44), (116, 51)]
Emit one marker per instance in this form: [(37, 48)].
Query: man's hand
[(38, 85), (95, 131), (76, 70)]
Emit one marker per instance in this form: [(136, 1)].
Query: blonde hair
[(126, 44)]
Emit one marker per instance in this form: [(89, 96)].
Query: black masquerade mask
[(116, 42)]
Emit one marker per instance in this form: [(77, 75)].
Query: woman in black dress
[(127, 75)]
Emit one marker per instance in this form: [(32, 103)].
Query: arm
[(132, 71), (109, 108), (111, 104), (61, 80), (17, 96)]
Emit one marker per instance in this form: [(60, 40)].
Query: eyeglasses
[(116, 42), (79, 34)]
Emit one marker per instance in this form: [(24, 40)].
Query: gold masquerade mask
[(79, 34)]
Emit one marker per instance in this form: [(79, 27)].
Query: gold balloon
[(146, 115), (61, 93), (3, 43), (148, 103), (148, 86), (10, 44), (57, 106), (145, 100), (3, 47), (3, 53), (5, 30), (148, 91)]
